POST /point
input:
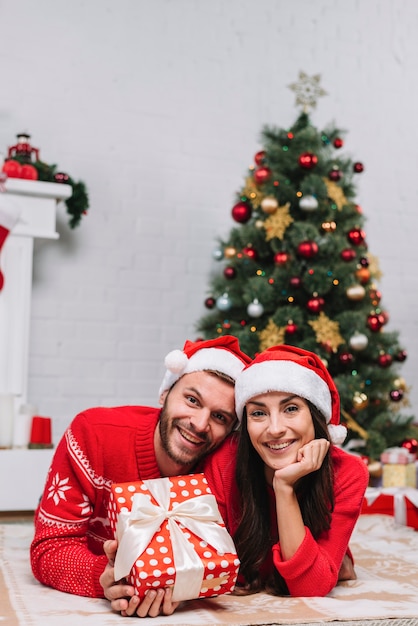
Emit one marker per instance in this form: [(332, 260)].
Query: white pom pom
[(338, 433), (175, 361)]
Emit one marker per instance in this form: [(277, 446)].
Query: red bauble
[(401, 356), (241, 212), (291, 328), (375, 296), (29, 172), (358, 167), (12, 168), (338, 142), (348, 254), (210, 303), (335, 175), (262, 175), (308, 249), (230, 272), (250, 252), (356, 236), (308, 160), (375, 322), (346, 358), (259, 157), (315, 305), (396, 395), (281, 258), (61, 177), (411, 445), (295, 282), (385, 360)]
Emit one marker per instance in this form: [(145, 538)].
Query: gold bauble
[(399, 383), (269, 205), (356, 292), (229, 252), (360, 401)]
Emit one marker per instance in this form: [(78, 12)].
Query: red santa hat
[(222, 354), (292, 370)]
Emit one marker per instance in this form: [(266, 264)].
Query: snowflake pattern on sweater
[(101, 446)]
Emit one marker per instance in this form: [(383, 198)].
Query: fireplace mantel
[(37, 202)]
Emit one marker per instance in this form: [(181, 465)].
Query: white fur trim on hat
[(219, 359), (286, 376), (337, 433)]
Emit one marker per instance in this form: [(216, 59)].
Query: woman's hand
[(309, 459)]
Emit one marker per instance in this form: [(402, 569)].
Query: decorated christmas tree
[(296, 269)]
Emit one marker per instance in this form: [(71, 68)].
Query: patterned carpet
[(385, 593)]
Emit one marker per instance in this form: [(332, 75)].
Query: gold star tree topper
[(307, 90)]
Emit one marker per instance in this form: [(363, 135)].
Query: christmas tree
[(296, 269)]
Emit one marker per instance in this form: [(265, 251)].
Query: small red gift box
[(400, 502), (170, 533), (400, 456)]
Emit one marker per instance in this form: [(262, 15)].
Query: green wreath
[(78, 203)]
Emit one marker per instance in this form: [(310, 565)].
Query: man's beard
[(166, 426)]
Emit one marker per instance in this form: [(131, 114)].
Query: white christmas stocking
[(8, 218)]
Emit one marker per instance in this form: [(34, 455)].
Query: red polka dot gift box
[(170, 533)]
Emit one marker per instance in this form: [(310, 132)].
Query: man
[(106, 445)]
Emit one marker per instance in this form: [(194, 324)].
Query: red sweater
[(101, 446), (313, 569)]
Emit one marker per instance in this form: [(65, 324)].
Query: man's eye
[(191, 399), (219, 417)]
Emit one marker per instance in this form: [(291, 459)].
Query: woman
[(288, 495)]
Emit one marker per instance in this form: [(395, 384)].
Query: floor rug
[(384, 594)]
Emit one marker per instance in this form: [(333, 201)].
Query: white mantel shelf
[(22, 471)]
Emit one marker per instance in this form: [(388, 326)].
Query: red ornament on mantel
[(29, 172), (61, 177), (411, 445), (12, 168)]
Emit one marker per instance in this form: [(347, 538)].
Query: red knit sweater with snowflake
[(313, 569), (101, 446)]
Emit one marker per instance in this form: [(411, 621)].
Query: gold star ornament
[(327, 331), (307, 90), (252, 192), (276, 224), (272, 335), (335, 193)]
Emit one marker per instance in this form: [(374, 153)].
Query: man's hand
[(122, 596), (347, 569)]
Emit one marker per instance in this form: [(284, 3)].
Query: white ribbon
[(136, 528), (399, 499)]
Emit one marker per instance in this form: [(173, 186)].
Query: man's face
[(198, 413)]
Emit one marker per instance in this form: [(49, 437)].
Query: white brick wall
[(158, 106)]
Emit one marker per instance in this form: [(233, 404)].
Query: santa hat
[(292, 370), (222, 354)]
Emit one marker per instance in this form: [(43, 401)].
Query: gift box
[(170, 534), (399, 475), (399, 502), (400, 456)]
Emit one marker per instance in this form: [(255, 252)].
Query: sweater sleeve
[(61, 551), (219, 470), (313, 569)]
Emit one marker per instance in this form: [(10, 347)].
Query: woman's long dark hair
[(253, 537)]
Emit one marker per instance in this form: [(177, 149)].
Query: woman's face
[(279, 424)]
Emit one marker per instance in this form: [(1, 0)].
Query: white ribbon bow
[(136, 528), (399, 499)]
